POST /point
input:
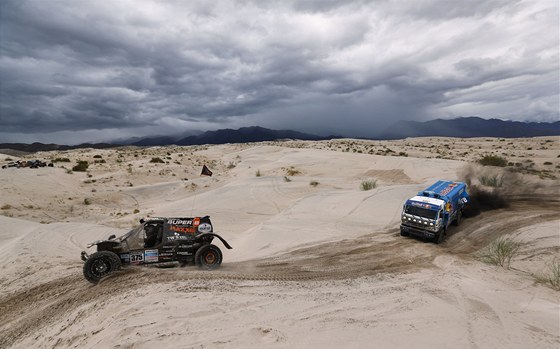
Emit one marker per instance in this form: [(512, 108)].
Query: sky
[(74, 71)]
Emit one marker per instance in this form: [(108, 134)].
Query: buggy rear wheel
[(101, 264), (208, 257)]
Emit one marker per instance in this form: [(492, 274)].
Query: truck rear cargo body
[(430, 213)]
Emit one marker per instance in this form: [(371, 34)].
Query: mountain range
[(465, 127), (469, 127)]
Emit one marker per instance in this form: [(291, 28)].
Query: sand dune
[(312, 266)]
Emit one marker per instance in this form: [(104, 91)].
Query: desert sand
[(312, 266)]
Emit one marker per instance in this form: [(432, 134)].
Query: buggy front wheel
[(101, 264), (208, 257)]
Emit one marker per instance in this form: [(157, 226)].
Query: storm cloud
[(99, 70)]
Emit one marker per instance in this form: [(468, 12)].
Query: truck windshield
[(422, 212)]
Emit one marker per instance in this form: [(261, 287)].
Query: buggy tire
[(404, 233), (208, 257), (101, 264)]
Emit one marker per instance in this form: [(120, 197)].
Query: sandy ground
[(312, 266)]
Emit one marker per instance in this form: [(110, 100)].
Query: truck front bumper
[(418, 232)]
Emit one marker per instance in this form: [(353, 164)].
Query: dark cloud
[(102, 70)]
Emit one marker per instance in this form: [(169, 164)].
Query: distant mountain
[(35, 147), (470, 127), (247, 135)]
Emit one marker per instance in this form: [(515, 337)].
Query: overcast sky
[(77, 70)]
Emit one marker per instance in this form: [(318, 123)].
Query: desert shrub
[(368, 184), (292, 171), (258, 173), (287, 179), (81, 166), (500, 251), (231, 165), (495, 181), (313, 183), (402, 153), (61, 160), (493, 160), (8, 159), (136, 211), (102, 161), (6, 207), (548, 163), (157, 161), (87, 201), (552, 275), (97, 156)]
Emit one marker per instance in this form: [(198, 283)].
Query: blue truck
[(430, 213)]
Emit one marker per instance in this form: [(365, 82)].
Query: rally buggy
[(158, 241)]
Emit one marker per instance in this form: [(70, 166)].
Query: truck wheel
[(101, 264), (459, 218), (208, 257), (404, 233), (439, 237)]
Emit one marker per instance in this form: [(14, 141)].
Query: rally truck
[(429, 214), (163, 242)]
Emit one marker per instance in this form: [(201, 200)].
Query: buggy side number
[(136, 257)]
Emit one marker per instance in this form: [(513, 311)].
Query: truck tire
[(404, 233), (459, 218), (208, 257), (100, 264), (439, 237)]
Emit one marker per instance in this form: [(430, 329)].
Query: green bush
[(500, 252), (369, 184), (493, 160), (552, 275), (495, 181), (82, 166)]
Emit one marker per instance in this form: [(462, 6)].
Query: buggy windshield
[(422, 212), (134, 238)]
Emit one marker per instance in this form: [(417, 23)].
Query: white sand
[(332, 270)]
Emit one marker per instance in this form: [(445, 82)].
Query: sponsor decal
[(196, 222), (185, 246), (177, 237), (151, 256), (184, 230), (448, 189), (125, 257), (184, 253), (205, 228), (136, 257), (165, 254), (419, 204), (187, 222)]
